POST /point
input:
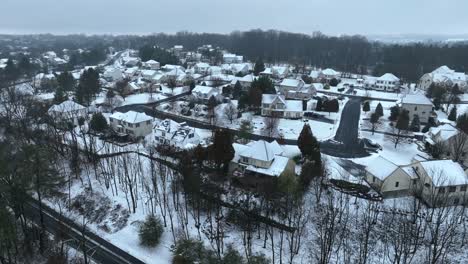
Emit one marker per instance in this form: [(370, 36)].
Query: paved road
[(98, 249), (347, 143)]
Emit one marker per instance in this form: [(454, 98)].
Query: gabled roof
[(291, 82), (131, 117), (381, 168), (416, 99), (389, 77), (262, 150), (445, 172), (203, 89), (270, 98), (67, 106), (329, 71)]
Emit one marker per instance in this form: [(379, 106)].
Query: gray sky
[(148, 16)]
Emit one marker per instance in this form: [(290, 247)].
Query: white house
[(439, 182), (387, 82), (134, 124), (444, 76), (201, 68), (232, 58), (290, 85), (296, 89), (152, 65), (278, 106), (148, 74), (329, 74), (204, 93), (261, 158), (277, 72), (181, 136), (453, 141), (67, 111), (113, 74), (417, 104)]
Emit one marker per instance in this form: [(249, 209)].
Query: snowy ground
[(143, 98)]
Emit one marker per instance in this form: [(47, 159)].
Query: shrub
[(151, 231)]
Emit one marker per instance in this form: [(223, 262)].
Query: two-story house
[(178, 135), (67, 111), (418, 104), (135, 124), (387, 82), (203, 93), (261, 158), (278, 106), (152, 65), (296, 89)]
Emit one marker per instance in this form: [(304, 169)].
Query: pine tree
[(415, 124), (242, 102), (222, 151), (462, 123), (379, 110), (366, 107), (394, 113), (66, 81), (59, 96), (319, 105), (98, 123), (259, 67), (150, 231), (237, 90), (308, 145), (453, 114)]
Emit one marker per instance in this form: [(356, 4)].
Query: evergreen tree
[(379, 110), (222, 151), (88, 86), (59, 96), (25, 66), (319, 105), (462, 123), (259, 67), (245, 129), (394, 113), (255, 97), (430, 123), (98, 123), (453, 114), (264, 84), (366, 107), (66, 81), (415, 124), (232, 256), (334, 82), (308, 145), (242, 102), (237, 90), (150, 231)]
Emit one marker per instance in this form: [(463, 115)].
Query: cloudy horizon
[(332, 17)]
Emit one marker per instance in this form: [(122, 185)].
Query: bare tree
[(458, 145), (271, 125), (230, 111)]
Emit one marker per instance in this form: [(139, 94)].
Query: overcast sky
[(222, 16)]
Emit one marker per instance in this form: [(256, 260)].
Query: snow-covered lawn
[(143, 98)]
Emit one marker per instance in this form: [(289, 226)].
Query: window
[(463, 188), (137, 125), (397, 184), (415, 108), (441, 190), (148, 122), (373, 179), (452, 189), (456, 201), (130, 125)]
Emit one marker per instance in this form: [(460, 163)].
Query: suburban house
[(436, 182), (329, 74), (387, 82), (113, 74), (454, 142), (278, 106), (135, 124), (201, 68), (387, 178), (130, 61), (296, 89), (444, 76), (439, 182), (260, 158), (178, 135), (245, 81), (68, 111), (148, 74), (152, 65), (277, 72), (203, 93), (232, 58), (417, 104)]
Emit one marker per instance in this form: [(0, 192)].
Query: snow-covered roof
[(314, 74), (294, 105), (389, 77), (151, 62), (203, 89), (67, 106), (131, 117), (276, 169), (270, 98), (330, 72), (444, 132), (381, 168), (291, 82), (262, 150), (202, 65), (416, 99), (445, 172)]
